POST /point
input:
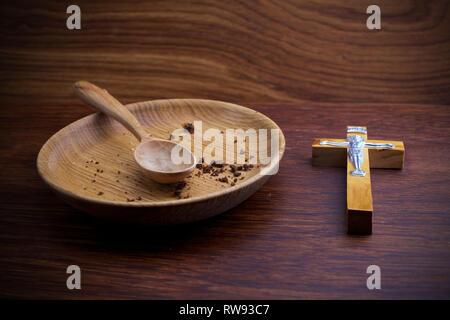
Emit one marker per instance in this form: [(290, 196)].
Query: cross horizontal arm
[(326, 155)]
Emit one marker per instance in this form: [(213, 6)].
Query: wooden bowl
[(90, 164)]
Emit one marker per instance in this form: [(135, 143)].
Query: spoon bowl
[(156, 158), (161, 160)]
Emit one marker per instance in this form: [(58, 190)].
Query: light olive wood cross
[(360, 155)]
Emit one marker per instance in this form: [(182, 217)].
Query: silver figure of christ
[(356, 154)]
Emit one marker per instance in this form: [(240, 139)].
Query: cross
[(360, 155)]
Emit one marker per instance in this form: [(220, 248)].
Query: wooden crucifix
[(360, 155)]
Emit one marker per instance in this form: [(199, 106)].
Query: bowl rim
[(40, 161)]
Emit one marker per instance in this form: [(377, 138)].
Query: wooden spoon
[(153, 155)]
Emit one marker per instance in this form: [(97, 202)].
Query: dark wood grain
[(237, 51), (287, 241)]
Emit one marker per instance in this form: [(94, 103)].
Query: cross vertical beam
[(359, 195)]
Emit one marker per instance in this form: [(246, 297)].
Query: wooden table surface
[(238, 50), (287, 241)]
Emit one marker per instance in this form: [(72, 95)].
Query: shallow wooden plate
[(90, 164)]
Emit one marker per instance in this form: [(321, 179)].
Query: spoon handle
[(102, 101)]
